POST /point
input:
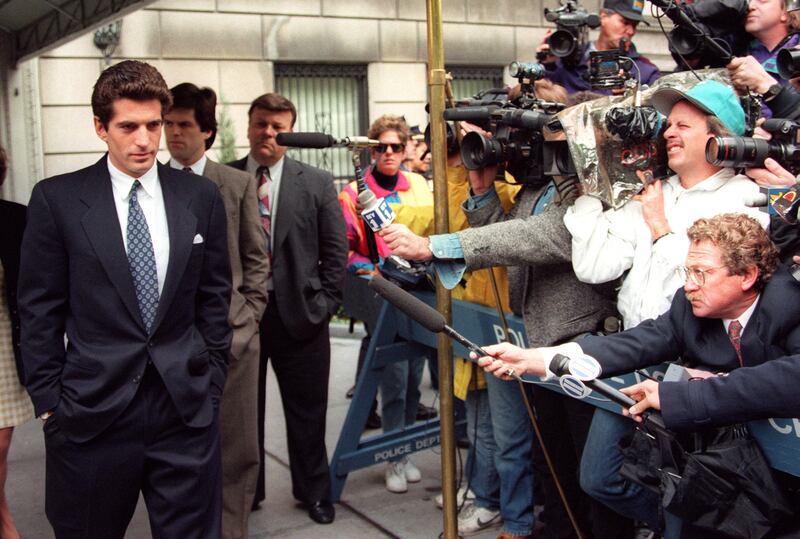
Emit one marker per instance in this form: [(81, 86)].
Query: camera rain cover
[(612, 142)]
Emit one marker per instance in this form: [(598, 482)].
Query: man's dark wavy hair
[(130, 79), (203, 101)]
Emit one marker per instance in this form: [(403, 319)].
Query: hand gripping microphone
[(323, 140), (376, 213), (425, 315)]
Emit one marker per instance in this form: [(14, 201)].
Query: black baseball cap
[(630, 9)]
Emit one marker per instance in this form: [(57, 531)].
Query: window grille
[(330, 99)]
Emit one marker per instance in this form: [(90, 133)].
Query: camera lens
[(789, 63), (478, 151), (562, 43), (737, 151)]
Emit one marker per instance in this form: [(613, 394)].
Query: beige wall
[(231, 45)]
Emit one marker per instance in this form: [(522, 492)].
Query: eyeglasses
[(697, 275), (396, 147)]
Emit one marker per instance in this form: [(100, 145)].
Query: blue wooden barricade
[(778, 437)]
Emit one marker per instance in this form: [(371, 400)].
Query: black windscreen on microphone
[(417, 310), (306, 140)]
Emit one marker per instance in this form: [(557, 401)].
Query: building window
[(468, 81), (331, 99)]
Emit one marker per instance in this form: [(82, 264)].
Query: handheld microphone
[(425, 315), (323, 140), (587, 369), (376, 213)]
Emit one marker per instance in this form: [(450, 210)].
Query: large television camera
[(572, 24), (738, 152), (517, 128), (707, 33)]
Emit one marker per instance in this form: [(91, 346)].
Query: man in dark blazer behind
[(190, 128), (129, 259), (301, 216)]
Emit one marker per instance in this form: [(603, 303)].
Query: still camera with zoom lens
[(737, 152)]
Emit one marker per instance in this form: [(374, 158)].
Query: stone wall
[(231, 45)]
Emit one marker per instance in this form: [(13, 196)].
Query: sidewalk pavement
[(367, 509)]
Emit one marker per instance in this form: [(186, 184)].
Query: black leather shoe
[(373, 420), (424, 412), (322, 512), (350, 392)]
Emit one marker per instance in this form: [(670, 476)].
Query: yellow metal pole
[(436, 85)]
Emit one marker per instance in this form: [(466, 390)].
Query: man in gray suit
[(190, 128), (535, 245)]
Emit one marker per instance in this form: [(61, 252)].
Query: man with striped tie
[(128, 259), (308, 249)]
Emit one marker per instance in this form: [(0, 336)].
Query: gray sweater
[(543, 288)]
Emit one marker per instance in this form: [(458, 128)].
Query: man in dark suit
[(190, 128), (308, 248), (738, 317), (129, 260)]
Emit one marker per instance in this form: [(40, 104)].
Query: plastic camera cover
[(606, 163)]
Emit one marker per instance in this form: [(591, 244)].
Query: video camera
[(572, 23), (738, 152), (611, 68), (517, 128), (517, 143), (706, 32)]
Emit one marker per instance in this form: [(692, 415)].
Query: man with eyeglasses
[(645, 242), (412, 201), (736, 326)]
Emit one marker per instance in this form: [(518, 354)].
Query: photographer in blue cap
[(618, 21), (646, 241)]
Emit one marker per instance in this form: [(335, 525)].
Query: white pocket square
[(197, 239)]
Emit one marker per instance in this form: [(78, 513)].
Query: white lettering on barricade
[(392, 452), (787, 428)]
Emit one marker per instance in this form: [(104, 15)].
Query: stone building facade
[(233, 46)]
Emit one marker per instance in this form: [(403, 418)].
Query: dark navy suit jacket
[(767, 386), (75, 280)]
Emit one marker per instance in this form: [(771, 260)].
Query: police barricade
[(778, 437)]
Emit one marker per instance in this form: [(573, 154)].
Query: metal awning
[(37, 25)]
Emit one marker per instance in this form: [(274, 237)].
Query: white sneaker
[(413, 474), (463, 497), (395, 477), (474, 519)]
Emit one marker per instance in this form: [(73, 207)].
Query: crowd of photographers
[(689, 270)]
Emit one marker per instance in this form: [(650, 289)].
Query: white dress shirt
[(607, 244), (151, 200), (197, 167)]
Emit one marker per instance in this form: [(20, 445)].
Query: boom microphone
[(323, 140), (425, 315)]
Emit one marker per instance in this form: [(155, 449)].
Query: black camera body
[(517, 145), (609, 69), (572, 23), (746, 152)]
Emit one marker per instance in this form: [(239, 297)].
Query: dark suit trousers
[(92, 488), (302, 368)]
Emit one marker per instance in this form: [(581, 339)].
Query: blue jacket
[(765, 387), (572, 77)]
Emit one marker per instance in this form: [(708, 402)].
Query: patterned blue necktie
[(142, 259)]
